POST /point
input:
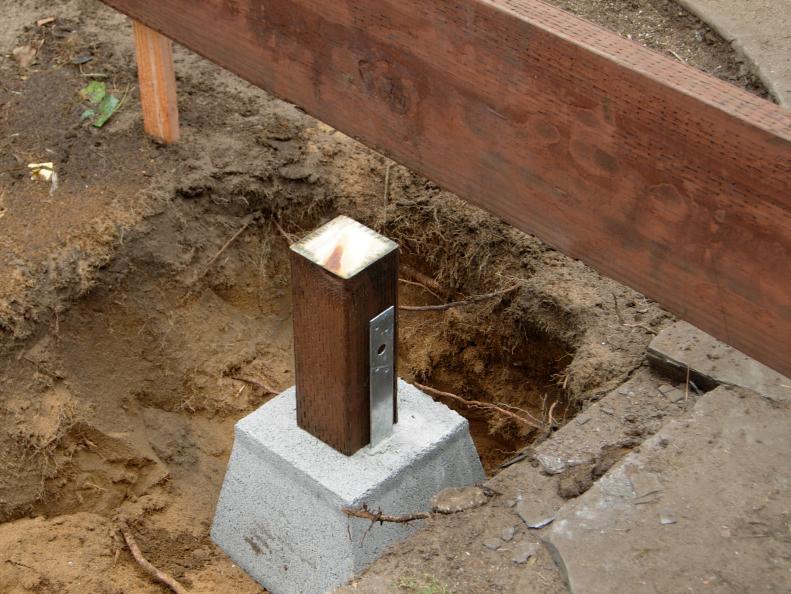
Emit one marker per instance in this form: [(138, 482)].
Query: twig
[(255, 382), (155, 573), (417, 284), (623, 322), (289, 237), (366, 514), (468, 301), (225, 247), (550, 421), (530, 422), (387, 183)]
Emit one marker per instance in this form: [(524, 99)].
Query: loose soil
[(123, 333)]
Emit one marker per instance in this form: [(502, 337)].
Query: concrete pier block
[(280, 515)]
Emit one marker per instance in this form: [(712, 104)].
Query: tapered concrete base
[(280, 512)]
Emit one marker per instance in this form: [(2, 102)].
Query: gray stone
[(551, 464), (667, 517), (493, 543), (524, 551), (532, 516), (507, 534), (280, 514), (711, 363), (728, 476), (457, 499)]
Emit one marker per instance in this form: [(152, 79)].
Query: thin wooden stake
[(157, 83)]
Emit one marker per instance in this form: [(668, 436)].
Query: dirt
[(123, 323)]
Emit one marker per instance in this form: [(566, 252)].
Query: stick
[(530, 422), (255, 382), (287, 236), (155, 573), (366, 514), (417, 284), (225, 247), (468, 301)]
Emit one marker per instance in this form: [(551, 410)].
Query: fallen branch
[(366, 514), (155, 573), (255, 382), (468, 301), (530, 421)]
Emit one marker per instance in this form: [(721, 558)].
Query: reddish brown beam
[(659, 176), (157, 83)]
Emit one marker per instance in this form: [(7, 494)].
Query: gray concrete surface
[(702, 506), (711, 362), (760, 30), (280, 510)]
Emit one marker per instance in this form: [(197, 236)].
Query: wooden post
[(343, 276), (157, 83)]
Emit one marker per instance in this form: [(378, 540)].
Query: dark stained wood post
[(344, 276)]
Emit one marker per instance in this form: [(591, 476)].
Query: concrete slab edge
[(715, 20)]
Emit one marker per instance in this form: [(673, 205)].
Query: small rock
[(533, 518), (675, 395), (667, 517), (551, 464), (24, 55), (508, 533), (665, 388), (645, 484), (582, 420), (456, 499), (607, 410), (524, 551), (623, 391), (492, 543)]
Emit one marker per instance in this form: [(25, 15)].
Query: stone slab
[(712, 362), (704, 505), (759, 29), (280, 510)]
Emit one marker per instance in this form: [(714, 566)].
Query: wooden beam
[(657, 175), (157, 83)]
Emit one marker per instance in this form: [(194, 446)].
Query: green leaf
[(106, 109), (95, 92)]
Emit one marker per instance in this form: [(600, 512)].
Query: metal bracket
[(381, 347)]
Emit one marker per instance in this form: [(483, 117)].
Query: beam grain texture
[(668, 180)]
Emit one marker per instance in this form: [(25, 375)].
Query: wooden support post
[(343, 276), (157, 83)]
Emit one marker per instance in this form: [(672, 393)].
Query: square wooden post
[(157, 83), (344, 276)]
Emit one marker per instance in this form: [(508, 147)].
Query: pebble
[(532, 518), (524, 551), (492, 543), (551, 464), (667, 517), (675, 395), (508, 533), (582, 420), (665, 388), (623, 391), (456, 499), (607, 410)]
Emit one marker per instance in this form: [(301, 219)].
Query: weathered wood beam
[(157, 83), (659, 176)]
